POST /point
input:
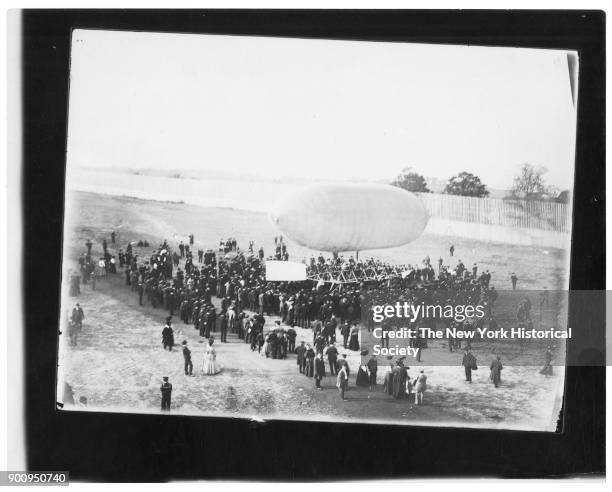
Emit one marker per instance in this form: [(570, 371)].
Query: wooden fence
[(549, 216)]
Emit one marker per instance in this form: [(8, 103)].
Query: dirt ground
[(119, 361)]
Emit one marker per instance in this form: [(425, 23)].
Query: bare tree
[(529, 183)]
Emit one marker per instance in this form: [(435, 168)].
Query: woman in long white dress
[(210, 366)]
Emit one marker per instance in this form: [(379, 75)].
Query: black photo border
[(149, 448)]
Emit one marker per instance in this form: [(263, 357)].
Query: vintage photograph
[(240, 212)]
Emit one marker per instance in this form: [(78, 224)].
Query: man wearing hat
[(168, 334), (223, 326), (210, 320), (330, 330), (345, 330), (319, 343), (372, 370), (469, 363), (166, 394), (496, 368), (332, 357), (78, 316), (274, 345), (319, 370), (283, 345), (301, 357), (187, 357), (291, 336)]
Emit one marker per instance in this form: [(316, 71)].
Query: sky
[(318, 109)]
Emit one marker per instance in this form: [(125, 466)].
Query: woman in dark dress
[(388, 386), (362, 376), (363, 373), (399, 381)]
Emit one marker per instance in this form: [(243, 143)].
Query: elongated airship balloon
[(350, 217)]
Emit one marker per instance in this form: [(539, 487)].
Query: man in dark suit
[(291, 336), (166, 394), (469, 363), (330, 329), (168, 335), (187, 357), (319, 343), (211, 317), (78, 316), (223, 327), (372, 371), (319, 370), (345, 330), (273, 345), (140, 292), (283, 346), (332, 357), (301, 357)]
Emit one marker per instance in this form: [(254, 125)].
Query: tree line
[(528, 184)]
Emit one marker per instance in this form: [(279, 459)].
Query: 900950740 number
[(34, 478)]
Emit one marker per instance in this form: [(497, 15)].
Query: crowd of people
[(238, 279)]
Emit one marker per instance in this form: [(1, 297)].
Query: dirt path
[(119, 362)]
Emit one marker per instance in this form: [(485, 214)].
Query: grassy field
[(119, 362)]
